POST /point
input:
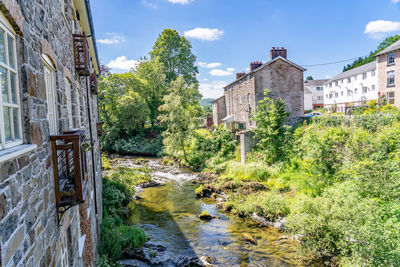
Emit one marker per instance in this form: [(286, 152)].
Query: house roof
[(391, 48), (356, 71), (315, 82), (265, 65), (218, 99), (307, 91)]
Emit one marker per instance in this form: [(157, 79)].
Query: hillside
[(206, 102), (364, 60)]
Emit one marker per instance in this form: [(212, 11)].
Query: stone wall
[(219, 110), (29, 230), (284, 81), (240, 100)]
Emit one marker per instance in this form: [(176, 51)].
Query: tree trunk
[(184, 151)]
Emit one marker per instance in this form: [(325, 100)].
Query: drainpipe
[(91, 142)]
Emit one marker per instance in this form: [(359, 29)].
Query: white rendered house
[(316, 88), (354, 87)]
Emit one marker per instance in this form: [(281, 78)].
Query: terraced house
[(50, 171)]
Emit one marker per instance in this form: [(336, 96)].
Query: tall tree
[(175, 53), (180, 108), (154, 88)]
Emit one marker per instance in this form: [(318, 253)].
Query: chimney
[(278, 51), (255, 65), (240, 75)]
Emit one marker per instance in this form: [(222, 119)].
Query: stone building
[(388, 68), (219, 110), (50, 172), (282, 77)]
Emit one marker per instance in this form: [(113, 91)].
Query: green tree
[(175, 53), (180, 108), (154, 88), (309, 78), (271, 131)]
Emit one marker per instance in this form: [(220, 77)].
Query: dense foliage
[(365, 60), (337, 184), (117, 237)]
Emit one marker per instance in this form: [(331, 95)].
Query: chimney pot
[(276, 52)]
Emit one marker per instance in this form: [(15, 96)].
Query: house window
[(364, 76), (348, 80), (50, 91), (364, 89), (10, 109), (390, 97), (320, 89), (391, 58), (336, 83), (390, 78), (69, 102), (349, 92), (373, 73), (356, 91), (355, 78), (248, 98), (373, 87), (341, 93), (330, 85), (336, 94)]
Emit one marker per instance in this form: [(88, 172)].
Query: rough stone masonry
[(29, 231)]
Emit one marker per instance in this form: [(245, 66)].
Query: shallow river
[(168, 214)]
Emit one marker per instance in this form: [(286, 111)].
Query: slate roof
[(356, 71), (391, 48), (315, 82)]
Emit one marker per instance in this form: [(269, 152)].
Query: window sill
[(390, 85), (15, 152), (391, 64)]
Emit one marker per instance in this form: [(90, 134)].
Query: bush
[(270, 205), (344, 225)]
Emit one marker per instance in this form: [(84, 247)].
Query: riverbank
[(167, 210)]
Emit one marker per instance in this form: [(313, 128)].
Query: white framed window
[(364, 89), (390, 78), (373, 87), (348, 80), (373, 73), (390, 97), (364, 76), (69, 102), (391, 58), (355, 91), (50, 92), (10, 106)]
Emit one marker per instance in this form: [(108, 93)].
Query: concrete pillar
[(247, 143)]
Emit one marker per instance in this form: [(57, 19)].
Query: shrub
[(253, 171), (270, 205)]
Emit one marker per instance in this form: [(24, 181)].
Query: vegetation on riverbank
[(335, 181), (117, 236)]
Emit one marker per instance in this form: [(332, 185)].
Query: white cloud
[(209, 65), (182, 2), (377, 29), (204, 34), (213, 89), (396, 1), (328, 76), (114, 38), (219, 72), (122, 63)]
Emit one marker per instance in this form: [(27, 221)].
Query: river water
[(168, 214)]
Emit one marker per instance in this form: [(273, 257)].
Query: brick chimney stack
[(278, 51), (240, 75), (255, 65)]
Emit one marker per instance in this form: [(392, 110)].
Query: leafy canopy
[(175, 53)]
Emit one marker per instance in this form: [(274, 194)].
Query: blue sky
[(228, 34)]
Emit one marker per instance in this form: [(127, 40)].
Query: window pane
[(4, 85), (11, 55), (16, 123), (2, 47), (13, 88), (7, 124)]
